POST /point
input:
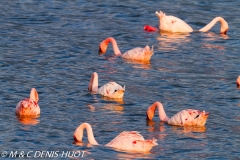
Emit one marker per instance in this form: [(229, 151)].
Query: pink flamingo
[(29, 106), (188, 117), (139, 54), (127, 140), (238, 81), (111, 89), (174, 24)]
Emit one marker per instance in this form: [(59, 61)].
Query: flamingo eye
[(197, 116), (115, 90)]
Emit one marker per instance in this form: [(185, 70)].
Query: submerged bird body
[(111, 89), (139, 54), (29, 106), (173, 24), (127, 140), (188, 117)]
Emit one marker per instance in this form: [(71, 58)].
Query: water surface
[(53, 46)]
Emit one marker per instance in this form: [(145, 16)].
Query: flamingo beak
[(100, 52)]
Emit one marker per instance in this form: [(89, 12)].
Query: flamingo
[(29, 106), (127, 140), (139, 54), (174, 24), (111, 89), (238, 81), (188, 117)]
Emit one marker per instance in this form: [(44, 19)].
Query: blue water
[(53, 46)]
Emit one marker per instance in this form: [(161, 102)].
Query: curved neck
[(34, 95), (115, 46), (93, 84), (161, 113), (224, 25), (79, 133)]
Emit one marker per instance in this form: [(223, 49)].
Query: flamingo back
[(112, 90), (132, 141), (139, 54), (189, 117), (172, 24), (27, 107)]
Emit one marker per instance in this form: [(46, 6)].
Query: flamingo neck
[(93, 84), (224, 25), (116, 50), (79, 133), (161, 112), (34, 95)]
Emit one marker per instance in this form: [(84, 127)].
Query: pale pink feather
[(111, 89), (127, 140), (29, 106), (174, 24)]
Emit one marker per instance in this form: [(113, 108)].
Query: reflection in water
[(139, 64), (190, 130), (118, 100), (160, 128), (170, 41), (210, 46), (112, 107), (214, 36), (82, 144), (133, 155), (28, 120)]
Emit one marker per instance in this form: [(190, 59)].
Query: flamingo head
[(103, 47), (224, 26), (150, 113), (144, 145)]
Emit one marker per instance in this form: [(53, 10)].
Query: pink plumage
[(29, 106), (174, 24), (127, 140), (187, 117), (138, 54)]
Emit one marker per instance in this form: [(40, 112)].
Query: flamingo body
[(139, 54), (174, 24), (29, 106), (111, 89), (188, 117), (132, 141), (127, 140)]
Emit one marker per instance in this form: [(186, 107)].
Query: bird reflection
[(186, 130), (190, 130), (32, 120), (133, 155), (151, 128), (210, 46), (118, 100), (170, 41), (112, 107)]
